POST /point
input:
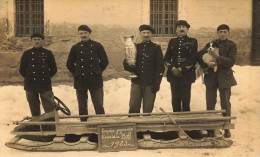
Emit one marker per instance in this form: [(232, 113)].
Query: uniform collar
[(182, 38), (147, 42), (36, 49), (218, 41), (223, 41), (85, 42)]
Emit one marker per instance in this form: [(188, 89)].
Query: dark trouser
[(211, 99), (34, 102), (97, 96), (139, 93), (181, 93)]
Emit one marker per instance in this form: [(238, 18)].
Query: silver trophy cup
[(130, 51)]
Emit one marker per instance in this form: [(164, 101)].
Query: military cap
[(37, 35), (223, 26), (146, 27), (182, 22), (84, 28)]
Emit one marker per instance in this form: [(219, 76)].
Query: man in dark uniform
[(149, 69), (223, 79), (37, 67), (87, 60), (180, 58)]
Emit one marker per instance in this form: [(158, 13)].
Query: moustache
[(84, 37), (181, 30)]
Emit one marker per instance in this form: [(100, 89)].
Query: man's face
[(182, 30), (84, 35), (146, 35), (37, 42), (223, 34)]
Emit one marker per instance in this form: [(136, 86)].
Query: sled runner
[(52, 132)]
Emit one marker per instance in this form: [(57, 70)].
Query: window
[(29, 17), (163, 15)]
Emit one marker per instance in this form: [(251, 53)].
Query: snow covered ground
[(245, 102)]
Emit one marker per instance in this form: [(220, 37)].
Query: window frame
[(29, 20), (163, 15)]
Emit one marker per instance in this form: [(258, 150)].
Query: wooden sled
[(154, 130)]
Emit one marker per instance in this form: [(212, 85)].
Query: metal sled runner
[(51, 132)]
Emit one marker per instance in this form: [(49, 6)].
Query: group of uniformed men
[(87, 60)]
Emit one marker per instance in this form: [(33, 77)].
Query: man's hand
[(211, 64), (155, 88), (167, 64), (213, 53), (176, 72), (130, 68)]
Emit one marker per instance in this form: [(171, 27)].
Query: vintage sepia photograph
[(170, 78)]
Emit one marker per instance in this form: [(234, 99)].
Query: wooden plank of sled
[(82, 129), (205, 142), (135, 120), (156, 117), (79, 130), (206, 115), (15, 139), (44, 133), (76, 131), (197, 115), (111, 119), (145, 120), (143, 128), (140, 114), (57, 146), (44, 116), (35, 119)]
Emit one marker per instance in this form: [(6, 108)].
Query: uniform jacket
[(182, 52), (227, 57), (149, 64), (37, 67), (87, 61)]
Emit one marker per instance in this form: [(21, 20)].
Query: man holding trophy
[(149, 68)]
